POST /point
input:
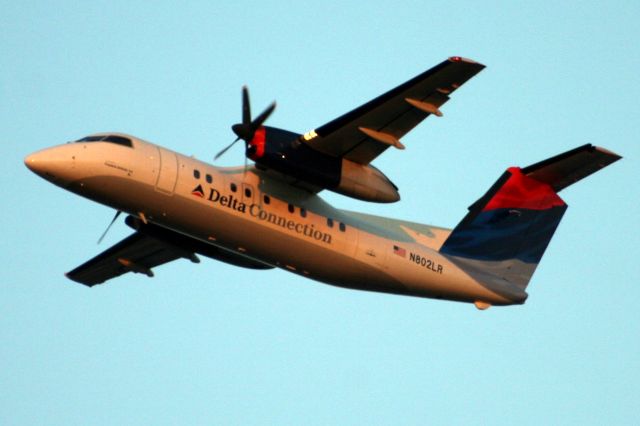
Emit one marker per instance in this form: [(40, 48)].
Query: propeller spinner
[(247, 129)]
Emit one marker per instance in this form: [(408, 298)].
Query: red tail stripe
[(521, 191)]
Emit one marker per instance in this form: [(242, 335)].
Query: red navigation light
[(455, 58)]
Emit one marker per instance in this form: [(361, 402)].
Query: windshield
[(120, 140)]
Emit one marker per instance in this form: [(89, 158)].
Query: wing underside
[(137, 253), (150, 246)]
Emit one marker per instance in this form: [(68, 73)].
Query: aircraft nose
[(53, 164), (34, 162)]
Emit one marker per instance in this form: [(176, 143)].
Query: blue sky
[(210, 343)]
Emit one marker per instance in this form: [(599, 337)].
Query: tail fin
[(503, 237)]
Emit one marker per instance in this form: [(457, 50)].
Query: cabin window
[(209, 178), (196, 173), (267, 199), (234, 187), (330, 222), (303, 212), (247, 192), (343, 227), (291, 208)]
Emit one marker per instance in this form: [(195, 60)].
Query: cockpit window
[(119, 140), (91, 139)]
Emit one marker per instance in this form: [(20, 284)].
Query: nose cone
[(34, 162), (53, 164)]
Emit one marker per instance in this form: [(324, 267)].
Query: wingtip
[(70, 276), (463, 59), (607, 152)]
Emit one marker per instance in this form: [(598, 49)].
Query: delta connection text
[(256, 210)]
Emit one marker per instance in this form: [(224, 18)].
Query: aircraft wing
[(367, 131), (150, 246), (136, 253)]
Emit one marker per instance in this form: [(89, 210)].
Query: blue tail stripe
[(503, 234)]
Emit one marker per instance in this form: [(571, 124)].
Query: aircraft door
[(168, 171)]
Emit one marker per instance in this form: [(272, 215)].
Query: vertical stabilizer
[(503, 237)]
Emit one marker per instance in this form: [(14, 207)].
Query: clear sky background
[(211, 343)]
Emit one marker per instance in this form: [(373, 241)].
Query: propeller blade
[(246, 106), (109, 227), (255, 124), (218, 155)]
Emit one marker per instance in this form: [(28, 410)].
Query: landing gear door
[(168, 172)]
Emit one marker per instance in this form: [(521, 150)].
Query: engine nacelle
[(366, 183), (283, 151)]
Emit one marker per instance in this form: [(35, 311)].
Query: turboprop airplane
[(269, 214)]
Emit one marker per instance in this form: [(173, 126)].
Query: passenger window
[(267, 199), (209, 178), (303, 212), (342, 227), (196, 174), (247, 192), (330, 222), (234, 187), (291, 208)]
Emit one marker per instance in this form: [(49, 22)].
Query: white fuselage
[(259, 215)]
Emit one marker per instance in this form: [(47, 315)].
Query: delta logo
[(198, 191)]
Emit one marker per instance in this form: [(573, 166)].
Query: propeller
[(109, 227), (247, 129)]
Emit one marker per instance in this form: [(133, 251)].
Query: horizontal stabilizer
[(568, 168)]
